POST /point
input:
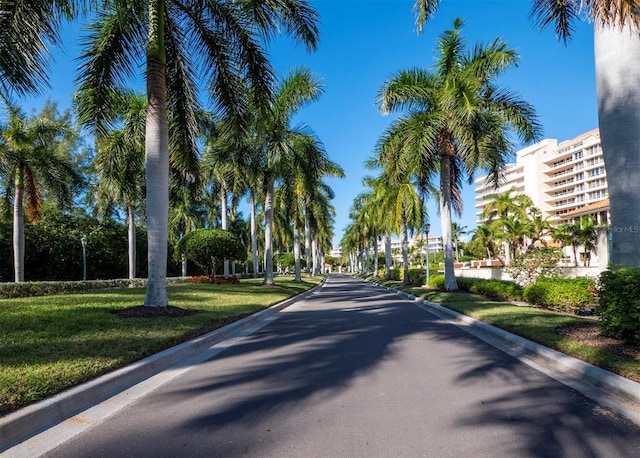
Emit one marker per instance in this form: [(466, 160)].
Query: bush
[(563, 294), (396, 274), (417, 276), (43, 288), (466, 283), (437, 282), (619, 303), (213, 280), (500, 290)]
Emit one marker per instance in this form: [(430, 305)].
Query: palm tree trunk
[(224, 219), (296, 251), (450, 283), (268, 230), (405, 253), (254, 237), (387, 256), (375, 256), (617, 53), (18, 228), (314, 255), (307, 244), (157, 160), (132, 240)]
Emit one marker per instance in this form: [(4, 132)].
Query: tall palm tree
[(180, 42), (277, 136), (457, 120), (120, 163), (32, 161), (617, 53), (304, 187)]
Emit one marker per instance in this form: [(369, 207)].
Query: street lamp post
[(426, 230), (83, 240)]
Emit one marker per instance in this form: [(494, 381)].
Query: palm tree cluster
[(149, 146), (617, 51), (513, 222), (455, 121)]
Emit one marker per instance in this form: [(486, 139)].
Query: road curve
[(355, 370)]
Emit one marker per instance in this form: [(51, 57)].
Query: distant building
[(564, 181)]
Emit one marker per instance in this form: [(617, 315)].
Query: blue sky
[(363, 42)]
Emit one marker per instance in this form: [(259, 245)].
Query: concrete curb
[(33, 419), (614, 391)]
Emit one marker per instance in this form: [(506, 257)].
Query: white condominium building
[(564, 180)]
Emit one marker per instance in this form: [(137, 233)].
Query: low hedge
[(619, 303), (499, 290), (43, 288), (563, 294)]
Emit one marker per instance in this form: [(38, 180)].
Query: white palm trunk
[(224, 219), (296, 251), (450, 283), (268, 231), (131, 232), (314, 255), (254, 238), (307, 244), (157, 167), (387, 256), (617, 58), (18, 231), (405, 253), (375, 256)]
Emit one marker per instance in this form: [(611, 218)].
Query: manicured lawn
[(535, 324), (51, 343)]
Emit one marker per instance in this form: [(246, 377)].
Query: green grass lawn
[(536, 324), (51, 343)]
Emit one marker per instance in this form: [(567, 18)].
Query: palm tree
[(457, 232), (304, 187), (120, 163), (180, 41), (33, 161), (458, 121), (28, 29), (508, 204), (617, 53), (278, 137)]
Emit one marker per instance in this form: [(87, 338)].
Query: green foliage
[(396, 273), (619, 303), (209, 247), (417, 276), (501, 290), (53, 251), (45, 288), (284, 260), (527, 268), (437, 282), (564, 294)]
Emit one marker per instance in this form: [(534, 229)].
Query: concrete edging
[(18, 426)]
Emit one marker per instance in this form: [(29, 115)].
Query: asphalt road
[(354, 370)]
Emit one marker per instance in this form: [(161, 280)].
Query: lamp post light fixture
[(83, 240), (427, 227)]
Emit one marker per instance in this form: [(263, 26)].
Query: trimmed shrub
[(499, 290), (563, 294), (466, 283), (619, 303), (417, 276), (396, 274), (437, 282)]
